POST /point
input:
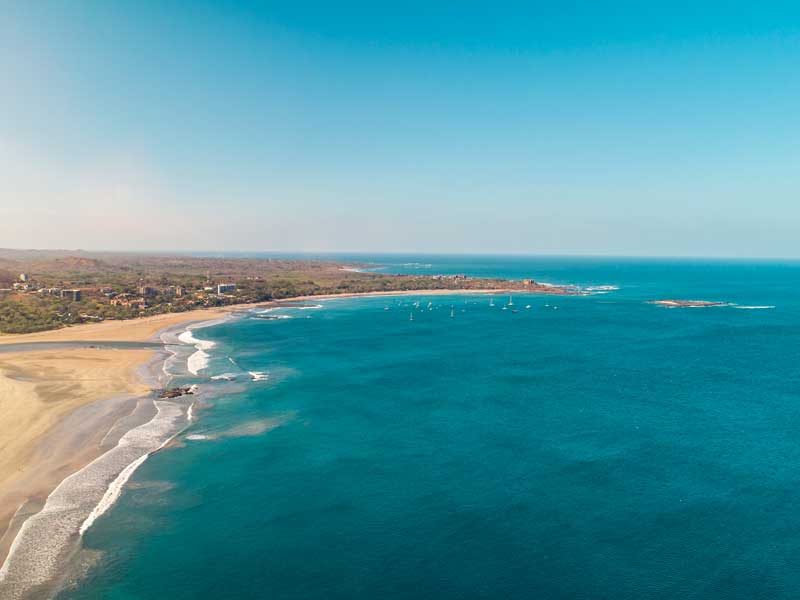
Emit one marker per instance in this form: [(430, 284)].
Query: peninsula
[(43, 290)]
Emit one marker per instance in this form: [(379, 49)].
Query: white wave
[(43, 543), (189, 413), (601, 288), (225, 376), (112, 493), (197, 437), (272, 309), (170, 360), (258, 375), (188, 338), (199, 360), (755, 307)]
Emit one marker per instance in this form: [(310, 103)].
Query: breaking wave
[(44, 541), (200, 359)]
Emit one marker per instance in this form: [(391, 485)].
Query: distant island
[(42, 290), (688, 303)]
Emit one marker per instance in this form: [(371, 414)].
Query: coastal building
[(72, 295), (21, 286), (23, 277), (147, 291), (121, 299), (174, 290), (224, 288), (129, 300)]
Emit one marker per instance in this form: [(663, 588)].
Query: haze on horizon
[(536, 127)]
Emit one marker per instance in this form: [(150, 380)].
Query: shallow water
[(607, 449)]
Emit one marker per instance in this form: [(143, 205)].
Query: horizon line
[(165, 252)]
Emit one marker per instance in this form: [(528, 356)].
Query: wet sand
[(59, 407), (39, 443)]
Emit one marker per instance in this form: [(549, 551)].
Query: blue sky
[(624, 128)]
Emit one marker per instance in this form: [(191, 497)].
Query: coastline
[(80, 418), (65, 411), (147, 329)]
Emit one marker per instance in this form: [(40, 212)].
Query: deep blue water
[(607, 449)]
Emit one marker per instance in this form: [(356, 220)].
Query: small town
[(64, 288)]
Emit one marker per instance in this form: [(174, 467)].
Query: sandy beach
[(38, 390), (41, 389), (57, 406)]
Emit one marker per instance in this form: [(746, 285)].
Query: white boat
[(527, 306)]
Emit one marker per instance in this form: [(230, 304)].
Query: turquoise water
[(607, 449)]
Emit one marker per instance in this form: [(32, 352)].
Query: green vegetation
[(118, 286), (26, 316)]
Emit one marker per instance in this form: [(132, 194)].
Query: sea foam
[(224, 376), (44, 541), (200, 359), (754, 307)]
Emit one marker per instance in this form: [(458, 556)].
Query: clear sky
[(635, 128)]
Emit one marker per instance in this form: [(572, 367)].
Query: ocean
[(585, 447)]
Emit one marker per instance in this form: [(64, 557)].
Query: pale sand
[(132, 330), (48, 429), (39, 390)]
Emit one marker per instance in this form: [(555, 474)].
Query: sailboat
[(411, 316), (452, 312), (510, 301), (491, 302)]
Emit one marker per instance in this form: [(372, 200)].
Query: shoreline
[(48, 511), (116, 329), (114, 416)]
